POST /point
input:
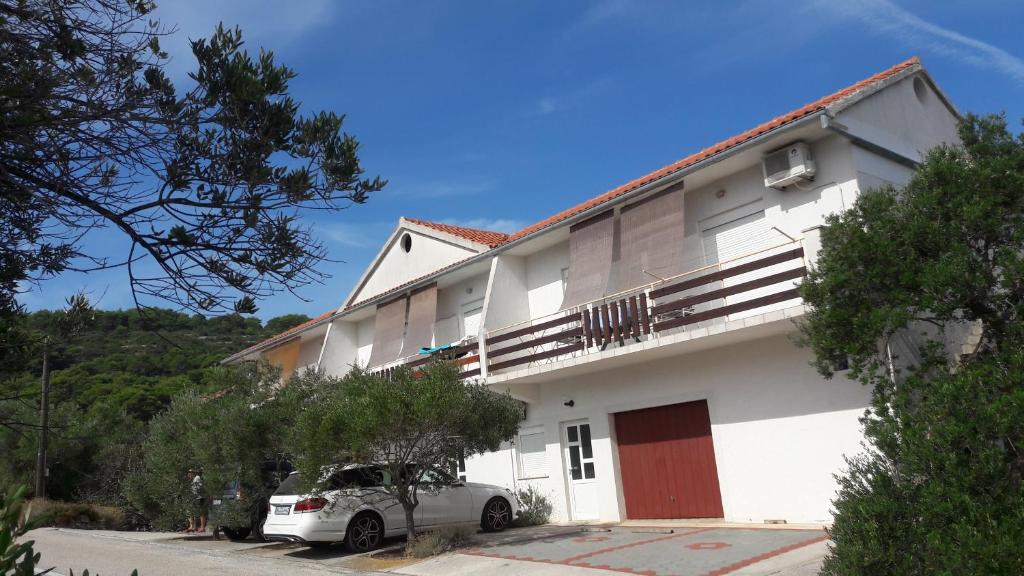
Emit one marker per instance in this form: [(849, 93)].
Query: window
[(533, 461), (357, 478), (406, 243)]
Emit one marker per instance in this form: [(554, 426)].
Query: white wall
[(507, 293), (544, 279), (779, 429), (791, 210), (309, 352), (397, 266), (451, 302), (340, 351), (874, 171), (898, 120), (364, 340)]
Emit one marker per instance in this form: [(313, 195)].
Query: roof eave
[(271, 343)]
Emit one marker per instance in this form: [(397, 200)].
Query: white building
[(648, 330)]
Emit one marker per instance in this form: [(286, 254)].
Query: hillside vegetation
[(108, 381)]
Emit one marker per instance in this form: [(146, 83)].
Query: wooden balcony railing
[(467, 356), (701, 295)]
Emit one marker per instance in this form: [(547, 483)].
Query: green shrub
[(534, 507), (16, 559), (441, 540), (76, 515)]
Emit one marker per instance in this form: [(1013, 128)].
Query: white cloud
[(546, 105), (505, 225), (567, 98), (885, 17)]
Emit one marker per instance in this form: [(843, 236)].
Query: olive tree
[(922, 290), (409, 424), (229, 435)]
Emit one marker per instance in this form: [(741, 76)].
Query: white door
[(579, 462), (471, 315)]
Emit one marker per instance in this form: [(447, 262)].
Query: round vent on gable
[(406, 242)]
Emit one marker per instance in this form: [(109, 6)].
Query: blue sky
[(497, 114)]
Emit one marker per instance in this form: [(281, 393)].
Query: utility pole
[(44, 423)]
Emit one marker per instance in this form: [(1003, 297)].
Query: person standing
[(189, 477), (199, 507)]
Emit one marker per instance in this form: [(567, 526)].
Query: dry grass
[(443, 539), (76, 515)]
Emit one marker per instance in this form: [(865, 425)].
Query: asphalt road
[(157, 554)]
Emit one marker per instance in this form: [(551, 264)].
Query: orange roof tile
[(491, 239)]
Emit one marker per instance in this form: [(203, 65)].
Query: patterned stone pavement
[(684, 552)]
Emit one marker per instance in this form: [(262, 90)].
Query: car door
[(451, 502), (375, 493)]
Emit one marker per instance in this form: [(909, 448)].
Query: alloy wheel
[(498, 514), (365, 533)]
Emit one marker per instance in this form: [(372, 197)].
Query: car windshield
[(292, 486)]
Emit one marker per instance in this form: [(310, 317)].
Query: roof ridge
[(490, 238), (436, 223)]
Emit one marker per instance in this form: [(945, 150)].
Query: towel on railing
[(426, 350)]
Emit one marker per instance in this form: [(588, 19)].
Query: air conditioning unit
[(788, 165)]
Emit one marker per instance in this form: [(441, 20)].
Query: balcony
[(707, 300), (695, 303), (466, 356)]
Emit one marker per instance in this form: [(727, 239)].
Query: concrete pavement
[(161, 554), (541, 551)]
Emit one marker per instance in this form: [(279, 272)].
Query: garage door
[(667, 461)]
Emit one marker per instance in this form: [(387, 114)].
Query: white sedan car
[(358, 510)]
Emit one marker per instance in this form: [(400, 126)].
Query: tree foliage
[(205, 182), (410, 425), (229, 436), (922, 289), (108, 381)]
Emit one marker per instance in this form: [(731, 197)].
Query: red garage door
[(667, 461)]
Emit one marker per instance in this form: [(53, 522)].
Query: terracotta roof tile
[(278, 338), (491, 239)]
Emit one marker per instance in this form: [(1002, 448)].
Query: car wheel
[(236, 534), (497, 515), (364, 533)]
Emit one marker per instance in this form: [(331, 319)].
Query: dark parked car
[(240, 510)]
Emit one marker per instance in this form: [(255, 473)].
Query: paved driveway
[(683, 552)]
